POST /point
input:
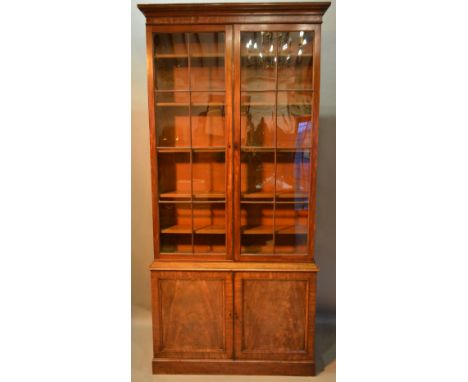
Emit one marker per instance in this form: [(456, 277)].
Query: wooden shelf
[(203, 104), (172, 104), (257, 148), (262, 104), (291, 230), (292, 149), (257, 195), (211, 230), (269, 149), (292, 195), (175, 195), (169, 150), (284, 90), (187, 196), (186, 229), (257, 230), (256, 55), (280, 230), (181, 55), (186, 104), (209, 195), (177, 229), (269, 195), (209, 149), (188, 149)]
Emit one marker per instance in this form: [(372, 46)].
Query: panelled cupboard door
[(275, 315), (276, 88), (189, 82), (192, 314)]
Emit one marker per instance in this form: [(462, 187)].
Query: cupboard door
[(275, 315), (192, 314), (275, 137), (191, 96)]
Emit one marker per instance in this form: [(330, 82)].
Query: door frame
[(238, 28), (310, 278), (228, 33), (227, 278)]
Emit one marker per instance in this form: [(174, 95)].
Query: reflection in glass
[(172, 119), (258, 61), (292, 174), (257, 228), (207, 60), (257, 175), (208, 125), (258, 119), (294, 119), (295, 60)]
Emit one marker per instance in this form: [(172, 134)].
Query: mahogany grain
[(233, 279)]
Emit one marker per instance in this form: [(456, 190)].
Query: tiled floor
[(142, 354)]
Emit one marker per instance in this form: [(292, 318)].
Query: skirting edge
[(229, 366)]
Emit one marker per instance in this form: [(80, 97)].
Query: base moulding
[(229, 366)]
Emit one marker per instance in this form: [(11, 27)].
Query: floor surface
[(142, 355)]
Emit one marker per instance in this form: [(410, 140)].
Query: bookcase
[(233, 92)]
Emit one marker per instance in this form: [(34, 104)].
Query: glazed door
[(275, 140), (274, 315), (192, 314), (191, 96)]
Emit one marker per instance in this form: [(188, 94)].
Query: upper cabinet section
[(233, 96)]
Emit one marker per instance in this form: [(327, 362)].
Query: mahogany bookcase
[(233, 93)]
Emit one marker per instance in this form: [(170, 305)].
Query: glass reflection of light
[(301, 157)]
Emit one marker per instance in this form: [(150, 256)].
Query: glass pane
[(210, 227), (208, 125), (207, 60), (175, 243), (170, 61), (174, 176), (257, 228), (258, 119), (208, 175), (175, 221), (172, 119), (257, 175), (294, 120), (258, 61), (291, 228), (292, 174), (295, 60)]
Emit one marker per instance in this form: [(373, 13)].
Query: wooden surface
[(192, 314), (231, 366), (201, 171), (274, 315), (231, 266), (225, 13), (222, 302)]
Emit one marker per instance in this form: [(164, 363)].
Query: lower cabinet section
[(192, 314), (275, 314), (233, 322)]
